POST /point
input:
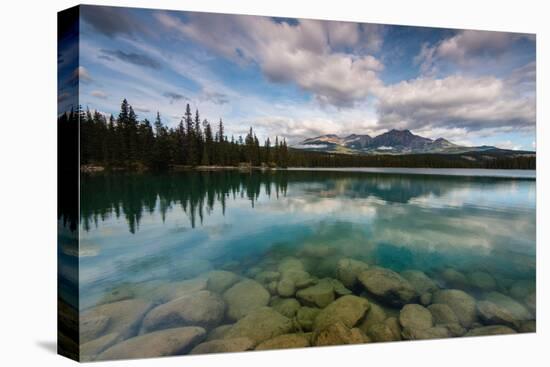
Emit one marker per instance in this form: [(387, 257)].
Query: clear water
[(138, 228)]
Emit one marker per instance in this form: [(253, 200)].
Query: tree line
[(127, 142)]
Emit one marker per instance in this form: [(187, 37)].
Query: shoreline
[(472, 172)]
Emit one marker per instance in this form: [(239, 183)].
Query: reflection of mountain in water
[(197, 192)]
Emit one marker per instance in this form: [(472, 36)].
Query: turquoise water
[(143, 229)]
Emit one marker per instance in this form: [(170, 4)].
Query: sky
[(301, 78)]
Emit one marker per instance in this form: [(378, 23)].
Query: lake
[(157, 237)]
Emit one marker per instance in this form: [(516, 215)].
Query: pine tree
[(198, 139)]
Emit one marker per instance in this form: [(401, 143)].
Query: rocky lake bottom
[(316, 299), (228, 262)]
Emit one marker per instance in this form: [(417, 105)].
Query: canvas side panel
[(68, 171)]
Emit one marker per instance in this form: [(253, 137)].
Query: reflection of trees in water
[(197, 192)]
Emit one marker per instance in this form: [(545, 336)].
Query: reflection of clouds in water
[(450, 229), (498, 197), (323, 207)]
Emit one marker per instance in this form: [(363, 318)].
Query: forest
[(127, 143)]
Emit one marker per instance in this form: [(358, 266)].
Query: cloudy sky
[(302, 78)]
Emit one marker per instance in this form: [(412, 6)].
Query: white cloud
[(467, 47), (309, 53), (455, 102)]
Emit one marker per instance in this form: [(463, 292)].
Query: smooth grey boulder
[(436, 332), (161, 343), (490, 330), (260, 325), (518, 311), (347, 309), (219, 281), (415, 317), (381, 332), (482, 281), (285, 341), (319, 295), (166, 292), (286, 306), (443, 314), (203, 308), (388, 285), (454, 279), (223, 346), (374, 315), (266, 277), (306, 316), (123, 317), (245, 297), (492, 314), (338, 334), (348, 269), (420, 281), (89, 350), (462, 304), (218, 332)]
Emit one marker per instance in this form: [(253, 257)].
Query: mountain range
[(390, 142)]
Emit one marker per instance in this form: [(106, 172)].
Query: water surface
[(142, 228)]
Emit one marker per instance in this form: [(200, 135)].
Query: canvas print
[(233, 183)]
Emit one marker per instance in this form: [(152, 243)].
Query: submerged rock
[(245, 297), (454, 279), (375, 315), (290, 264), (521, 289), (204, 308), (306, 316), (266, 277), (443, 314), (490, 330), (462, 304), (426, 298), (285, 341), (420, 281), (286, 306), (492, 314), (122, 317), (348, 269), (220, 280), (218, 332), (223, 346), (395, 327), (92, 326), (388, 285), (338, 334), (286, 287), (482, 281), (319, 295), (157, 344), (89, 350), (347, 309), (381, 332), (260, 325), (415, 317), (518, 311), (166, 292), (436, 332)]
